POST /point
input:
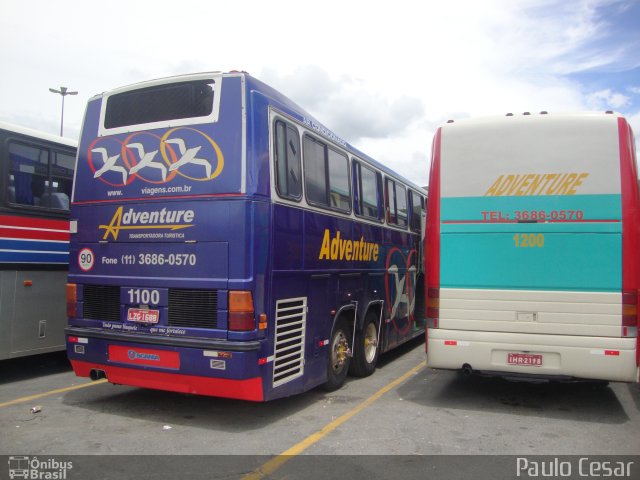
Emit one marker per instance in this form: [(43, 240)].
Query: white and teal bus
[(533, 247)]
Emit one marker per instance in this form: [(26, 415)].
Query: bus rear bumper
[(245, 389), (561, 356), (200, 366)]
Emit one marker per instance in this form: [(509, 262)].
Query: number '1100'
[(144, 296)]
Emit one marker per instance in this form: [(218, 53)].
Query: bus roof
[(38, 134), (489, 120)]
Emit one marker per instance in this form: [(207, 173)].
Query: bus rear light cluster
[(72, 300), (433, 307), (262, 323), (629, 309), (241, 312), (629, 313)]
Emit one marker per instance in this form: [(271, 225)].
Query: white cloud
[(605, 99), (347, 105)]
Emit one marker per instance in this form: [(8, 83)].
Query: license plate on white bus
[(525, 359), (141, 315)]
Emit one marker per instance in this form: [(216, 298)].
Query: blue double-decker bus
[(226, 243)]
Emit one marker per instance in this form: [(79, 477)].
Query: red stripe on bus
[(33, 222), (432, 236), (630, 201), (630, 215), (137, 199), (8, 232), (247, 389)]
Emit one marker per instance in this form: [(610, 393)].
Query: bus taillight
[(629, 313), (241, 313), (433, 307), (72, 300)]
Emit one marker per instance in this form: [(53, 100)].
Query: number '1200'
[(531, 240)]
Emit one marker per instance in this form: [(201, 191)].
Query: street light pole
[(64, 91)]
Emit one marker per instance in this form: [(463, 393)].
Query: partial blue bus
[(533, 240), (226, 243)]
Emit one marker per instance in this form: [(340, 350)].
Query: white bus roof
[(38, 134)]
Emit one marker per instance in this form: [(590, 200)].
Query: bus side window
[(315, 175), (401, 205), (287, 159), (396, 203), (326, 176), (417, 205), (39, 178), (339, 180), (368, 192), (28, 173)]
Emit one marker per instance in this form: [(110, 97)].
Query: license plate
[(526, 359), (141, 315)]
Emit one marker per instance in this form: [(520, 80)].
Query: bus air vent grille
[(193, 308), (291, 320), (101, 302)]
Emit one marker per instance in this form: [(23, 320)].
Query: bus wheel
[(338, 357), (366, 348)]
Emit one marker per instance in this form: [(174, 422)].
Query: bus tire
[(365, 356), (338, 356)]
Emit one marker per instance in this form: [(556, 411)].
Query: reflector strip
[(613, 353), (265, 360), (456, 343), (213, 353)]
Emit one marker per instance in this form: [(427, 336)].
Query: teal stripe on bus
[(560, 261), (592, 207)]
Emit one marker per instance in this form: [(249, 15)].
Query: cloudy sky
[(382, 74)]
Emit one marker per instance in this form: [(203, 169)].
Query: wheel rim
[(339, 351), (370, 342)]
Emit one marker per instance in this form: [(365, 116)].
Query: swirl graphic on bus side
[(401, 307)]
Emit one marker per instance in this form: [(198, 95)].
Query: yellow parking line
[(275, 463), (51, 392)]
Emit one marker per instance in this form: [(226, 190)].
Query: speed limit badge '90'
[(86, 259)]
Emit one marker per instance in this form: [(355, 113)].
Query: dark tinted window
[(396, 203), (368, 186), (39, 177), (315, 175), (339, 193), (160, 103), (417, 205), (326, 175), (287, 157)]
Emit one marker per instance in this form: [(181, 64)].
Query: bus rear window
[(160, 103)]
